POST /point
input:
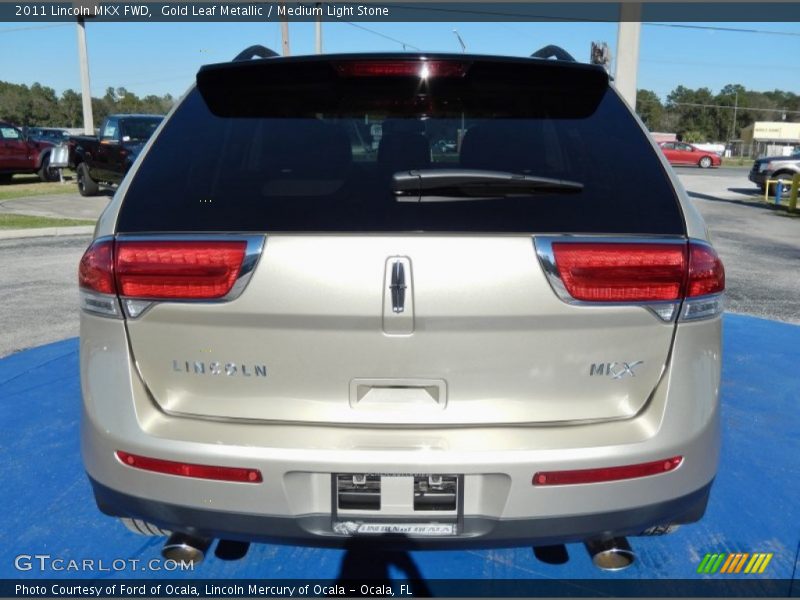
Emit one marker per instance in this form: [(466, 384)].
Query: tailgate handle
[(401, 394)]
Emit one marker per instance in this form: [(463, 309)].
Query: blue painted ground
[(47, 506)]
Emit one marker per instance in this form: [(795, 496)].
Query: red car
[(19, 154), (681, 153)]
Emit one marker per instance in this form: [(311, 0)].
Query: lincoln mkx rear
[(348, 296)]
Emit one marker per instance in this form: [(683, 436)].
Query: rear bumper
[(475, 531), (294, 502)]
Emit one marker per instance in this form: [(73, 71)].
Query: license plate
[(402, 504), (413, 529)]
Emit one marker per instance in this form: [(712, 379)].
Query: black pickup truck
[(107, 158)]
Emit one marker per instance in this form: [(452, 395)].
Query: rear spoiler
[(545, 52), (354, 84)]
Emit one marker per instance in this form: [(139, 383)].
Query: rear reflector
[(423, 69), (613, 272), (608, 473), (182, 270), (169, 467)]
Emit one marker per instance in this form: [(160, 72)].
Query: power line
[(727, 29), (740, 107), (378, 33), (701, 105), (711, 64), (13, 29)]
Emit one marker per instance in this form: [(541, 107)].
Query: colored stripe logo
[(737, 562)]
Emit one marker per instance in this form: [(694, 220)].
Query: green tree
[(695, 111), (40, 106), (15, 103), (44, 106), (732, 95), (71, 109), (649, 109)]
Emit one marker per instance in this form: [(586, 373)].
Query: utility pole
[(628, 36), (735, 107), (86, 88), (285, 32), (318, 29)]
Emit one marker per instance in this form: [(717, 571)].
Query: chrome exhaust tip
[(611, 554), (185, 548)]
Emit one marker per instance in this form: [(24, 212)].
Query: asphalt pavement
[(38, 290), (759, 244), (59, 206)]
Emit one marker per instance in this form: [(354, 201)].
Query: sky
[(161, 58)]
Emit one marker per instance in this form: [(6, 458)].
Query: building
[(659, 136), (770, 138)]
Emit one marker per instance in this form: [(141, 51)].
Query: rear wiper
[(453, 185)]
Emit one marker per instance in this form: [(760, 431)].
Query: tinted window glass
[(9, 133), (110, 130), (139, 129), (333, 172)]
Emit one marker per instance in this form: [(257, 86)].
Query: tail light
[(166, 270), (96, 269), (424, 69), (706, 273), (659, 275), (97, 288), (141, 272), (621, 272)]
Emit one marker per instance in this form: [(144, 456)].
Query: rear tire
[(705, 162), (86, 185), (786, 178), (46, 172), (5, 178), (140, 527)]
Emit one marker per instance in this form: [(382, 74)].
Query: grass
[(12, 221), (737, 162), (22, 186)]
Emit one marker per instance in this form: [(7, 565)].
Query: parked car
[(282, 342), (105, 159), (781, 168), (21, 155), (681, 153), (53, 135), (445, 146)]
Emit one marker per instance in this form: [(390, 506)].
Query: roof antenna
[(460, 41)]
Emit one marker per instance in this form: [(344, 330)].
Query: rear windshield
[(304, 159)]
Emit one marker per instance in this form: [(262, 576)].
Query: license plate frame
[(425, 524)]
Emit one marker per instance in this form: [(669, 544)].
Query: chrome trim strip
[(717, 299), (102, 305)]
